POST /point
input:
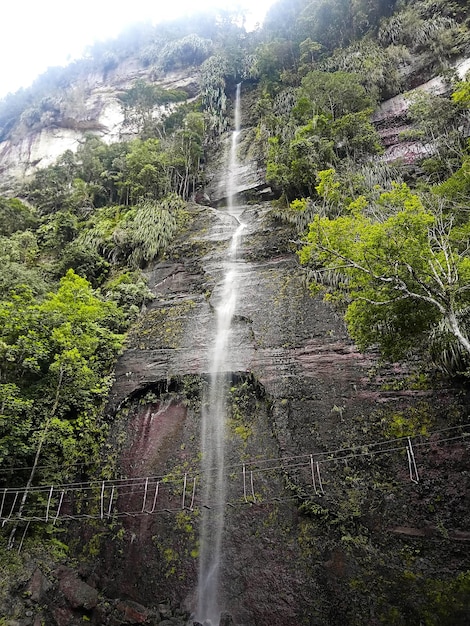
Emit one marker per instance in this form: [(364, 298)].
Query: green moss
[(415, 420), (161, 328)]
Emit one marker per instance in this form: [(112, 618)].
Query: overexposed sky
[(37, 34)]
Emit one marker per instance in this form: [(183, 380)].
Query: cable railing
[(254, 481)]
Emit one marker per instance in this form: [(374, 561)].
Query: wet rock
[(133, 613), (202, 198), (78, 593), (226, 619), (38, 586)]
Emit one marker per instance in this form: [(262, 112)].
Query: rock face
[(311, 422), (391, 119), (90, 105), (250, 178), (324, 502)]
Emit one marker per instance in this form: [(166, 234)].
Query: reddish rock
[(38, 586), (133, 613), (77, 592), (63, 616)]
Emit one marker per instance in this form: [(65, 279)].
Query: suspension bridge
[(254, 482)]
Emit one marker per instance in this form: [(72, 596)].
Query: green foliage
[(335, 93), (103, 233), (130, 292), (15, 215), (461, 94), (15, 425), (332, 23), (426, 25), (134, 235), (410, 423), (355, 136), (57, 230), (55, 360), (214, 99), (148, 170), (377, 67), (457, 187), (50, 188), (18, 257), (189, 51), (273, 58), (312, 127), (447, 601), (142, 106), (292, 166), (151, 228), (84, 260), (397, 267)]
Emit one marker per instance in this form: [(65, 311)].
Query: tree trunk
[(454, 327), (11, 539)]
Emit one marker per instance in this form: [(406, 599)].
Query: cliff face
[(391, 118), (308, 542), (89, 105), (346, 475), (92, 105)]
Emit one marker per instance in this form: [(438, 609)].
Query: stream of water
[(214, 413)]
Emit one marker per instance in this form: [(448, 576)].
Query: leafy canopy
[(398, 267)]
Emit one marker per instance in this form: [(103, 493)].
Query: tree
[(55, 363), (150, 227), (400, 269), (189, 51), (148, 170), (188, 149), (15, 215), (335, 93), (55, 359), (142, 103), (461, 95), (355, 136), (18, 263)]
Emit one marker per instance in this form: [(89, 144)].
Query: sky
[(37, 34)]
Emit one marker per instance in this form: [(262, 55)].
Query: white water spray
[(214, 416)]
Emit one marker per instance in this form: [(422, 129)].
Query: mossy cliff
[(347, 474), (295, 553), (370, 540)]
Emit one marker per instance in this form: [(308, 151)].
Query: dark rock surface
[(77, 592), (297, 552)]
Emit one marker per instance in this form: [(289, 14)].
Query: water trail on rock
[(214, 415)]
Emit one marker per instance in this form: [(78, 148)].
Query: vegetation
[(399, 265), (386, 243), (393, 256)]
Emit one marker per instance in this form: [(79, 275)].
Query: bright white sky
[(37, 34)]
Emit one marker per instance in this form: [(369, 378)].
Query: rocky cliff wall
[(297, 552), (335, 525), (324, 502), (391, 118), (90, 105)]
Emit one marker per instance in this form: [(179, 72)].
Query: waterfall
[(214, 415)]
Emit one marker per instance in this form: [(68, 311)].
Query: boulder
[(38, 586), (132, 612), (77, 592)]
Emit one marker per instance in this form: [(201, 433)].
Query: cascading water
[(214, 415)]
